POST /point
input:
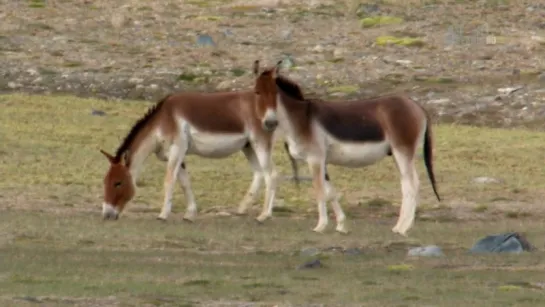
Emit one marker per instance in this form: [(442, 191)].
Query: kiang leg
[(252, 193), (191, 205), (317, 170), (174, 164), (264, 156), (333, 196), (409, 190)]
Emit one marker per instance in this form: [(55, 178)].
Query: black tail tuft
[(428, 157)]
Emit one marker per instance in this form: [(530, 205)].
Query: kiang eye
[(117, 184)]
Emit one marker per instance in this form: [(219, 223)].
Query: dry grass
[(56, 249)]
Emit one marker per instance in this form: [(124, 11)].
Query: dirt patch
[(453, 56)]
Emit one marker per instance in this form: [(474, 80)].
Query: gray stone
[(439, 101), (286, 34), (98, 113), (205, 40), (426, 251), (511, 242), (13, 85), (136, 80), (311, 264)]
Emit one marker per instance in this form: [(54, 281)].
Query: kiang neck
[(138, 154)]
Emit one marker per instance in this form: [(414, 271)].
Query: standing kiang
[(350, 133), (210, 125)]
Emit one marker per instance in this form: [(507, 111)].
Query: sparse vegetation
[(375, 21)]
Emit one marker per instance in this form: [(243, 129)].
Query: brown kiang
[(351, 133), (211, 125)]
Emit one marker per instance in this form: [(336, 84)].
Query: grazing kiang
[(210, 125), (350, 133)]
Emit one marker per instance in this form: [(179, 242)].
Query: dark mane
[(141, 123), (289, 87)]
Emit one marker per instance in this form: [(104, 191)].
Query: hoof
[(402, 233), (262, 218), (241, 212), (162, 219), (342, 230), (319, 229), (189, 217)]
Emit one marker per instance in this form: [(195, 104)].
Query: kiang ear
[(107, 155), (125, 158), (256, 67)]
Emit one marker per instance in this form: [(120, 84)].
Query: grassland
[(56, 250)]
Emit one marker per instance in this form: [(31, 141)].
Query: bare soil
[(467, 51)]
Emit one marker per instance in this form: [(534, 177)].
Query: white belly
[(356, 154), (213, 145)]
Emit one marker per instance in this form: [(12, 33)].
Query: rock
[(511, 242), (286, 34), (439, 101), (404, 62), (311, 264), (98, 113), (509, 90), (318, 48), (227, 32), (32, 71), (338, 53), (153, 86), (541, 76), (310, 251), (426, 251), (205, 40), (13, 85), (223, 85), (135, 80), (287, 61), (486, 180)]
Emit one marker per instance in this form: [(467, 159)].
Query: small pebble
[(98, 113), (310, 264), (426, 251)]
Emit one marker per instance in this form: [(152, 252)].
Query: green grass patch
[(400, 41), (375, 21), (346, 89)]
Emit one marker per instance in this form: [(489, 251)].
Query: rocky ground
[(478, 62)]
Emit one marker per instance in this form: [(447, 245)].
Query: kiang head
[(265, 90), (118, 186)]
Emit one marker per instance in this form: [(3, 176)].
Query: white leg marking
[(191, 209), (252, 193), (333, 196), (174, 164), (409, 190), (271, 178), (318, 179)]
